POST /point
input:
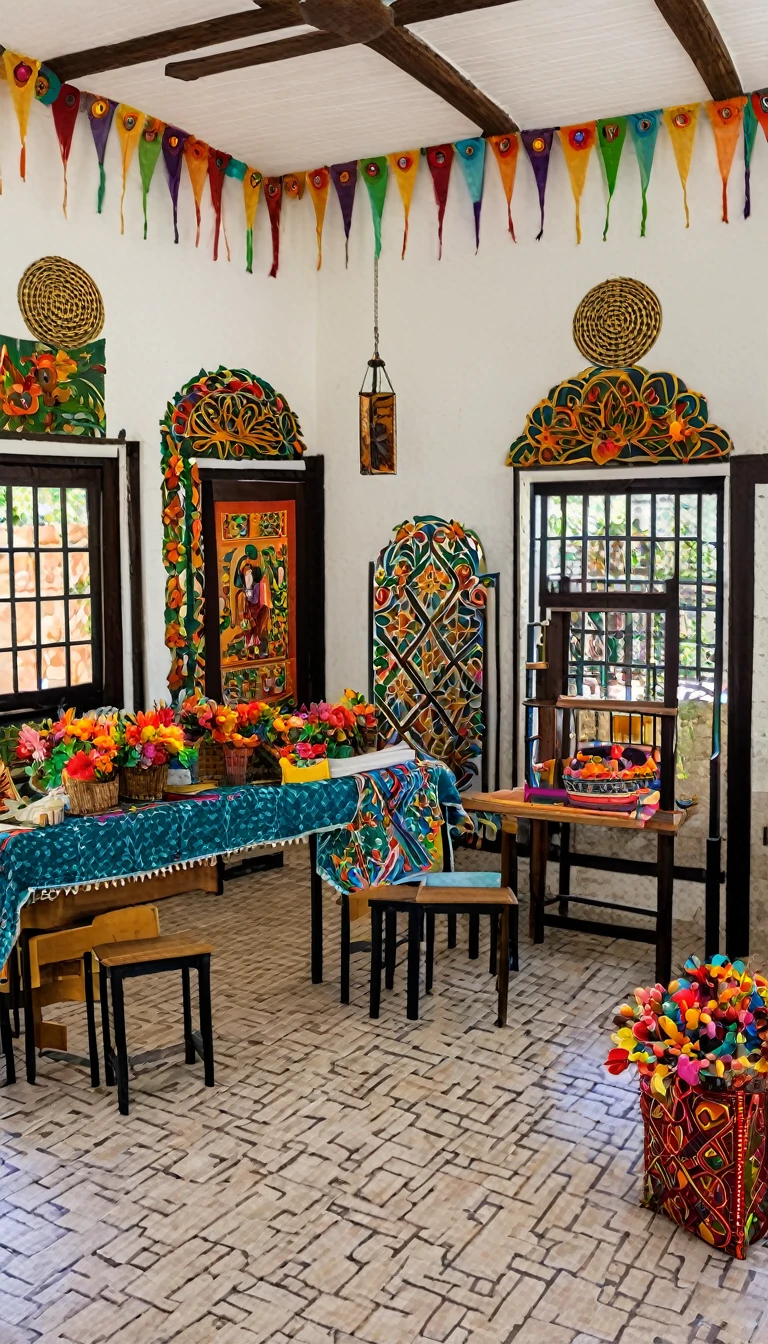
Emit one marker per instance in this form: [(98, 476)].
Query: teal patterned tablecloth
[(132, 843)]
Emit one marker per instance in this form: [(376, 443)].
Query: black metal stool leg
[(29, 1012), (109, 1072), (390, 946), (494, 953), (6, 1039), (474, 936), (90, 1016), (121, 1045), (414, 960), (452, 929), (503, 968), (345, 948), (430, 967), (190, 1054), (206, 1016), (514, 943), (377, 919), (14, 985)]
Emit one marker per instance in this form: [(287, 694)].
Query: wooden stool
[(123, 961), (500, 903), (6, 1038)]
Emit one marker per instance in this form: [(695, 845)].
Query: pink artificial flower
[(688, 1069), (31, 746)]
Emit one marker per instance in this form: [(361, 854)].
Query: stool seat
[(146, 950), (392, 895), (464, 896)]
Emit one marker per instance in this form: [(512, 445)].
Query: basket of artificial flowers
[(149, 741), (701, 1049), (82, 753), (240, 730)]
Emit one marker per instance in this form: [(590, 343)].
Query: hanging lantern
[(378, 412)]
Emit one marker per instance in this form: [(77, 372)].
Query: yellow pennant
[(505, 149), (196, 156), (251, 192), (21, 74), (681, 124), (405, 166), (319, 181), (726, 117), (129, 123), (578, 143), (294, 184)]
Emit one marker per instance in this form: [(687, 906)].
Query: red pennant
[(217, 167), (440, 160), (273, 189), (760, 108), (65, 108)]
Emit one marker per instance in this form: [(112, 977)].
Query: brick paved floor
[(350, 1182)]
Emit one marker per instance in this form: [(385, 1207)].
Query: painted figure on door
[(253, 602)]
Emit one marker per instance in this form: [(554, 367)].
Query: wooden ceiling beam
[(699, 35), (175, 41), (407, 51), (265, 53), (423, 11)]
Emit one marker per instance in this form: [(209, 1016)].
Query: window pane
[(708, 627), (26, 664), (641, 515), (24, 576), (709, 517), (596, 515), (3, 519), (5, 625), (554, 560), (53, 663), (618, 515), (554, 516), (5, 575), (80, 658), (49, 517), (573, 559), (79, 572), (6, 673), (52, 629), (23, 524), (709, 562), (641, 560), (617, 566), (26, 623), (80, 618), (77, 517), (52, 573), (665, 515), (574, 516), (664, 560), (596, 559), (689, 555), (689, 515)]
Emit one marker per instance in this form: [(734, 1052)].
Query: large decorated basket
[(610, 776)]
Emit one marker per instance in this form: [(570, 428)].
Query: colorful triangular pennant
[(505, 149), (405, 167), (21, 73), (538, 147), (472, 159), (344, 178), (681, 124), (101, 112), (319, 182), (644, 130), (218, 163), (294, 184), (578, 142), (375, 176), (173, 155), (750, 131), (251, 193), (47, 85), (129, 123), (64, 110), (611, 134), (273, 190), (150, 145), (196, 159), (726, 117), (440, 160)]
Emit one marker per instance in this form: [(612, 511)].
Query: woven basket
[(60, 303), (617, 322), (264, 767), (88, 797), (236, 763), (137, 783), (210, 762)]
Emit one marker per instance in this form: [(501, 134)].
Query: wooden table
[(663, 825)]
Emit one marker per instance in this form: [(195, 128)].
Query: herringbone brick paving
[(349, 1181)]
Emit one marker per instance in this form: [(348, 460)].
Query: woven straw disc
[(60, 303), (617, 322)]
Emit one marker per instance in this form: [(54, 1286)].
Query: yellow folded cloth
[(304, 774)]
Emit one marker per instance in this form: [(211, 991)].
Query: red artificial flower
[(80, 766), (617, 1061)]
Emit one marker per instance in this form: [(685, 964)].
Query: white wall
[(473, 342), (169, 310)]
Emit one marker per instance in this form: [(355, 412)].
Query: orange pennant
[(196, 156), (505, 148), (405, 167), (726, 116), (294, 184), (21, 74), (319, 181), (129, 123), (578, 143), (681, 124)]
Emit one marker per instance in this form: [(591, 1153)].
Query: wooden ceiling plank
[(699, 35), (410, 54), (266, 53), (174, 41), (423, 11)]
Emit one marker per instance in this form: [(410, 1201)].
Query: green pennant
[(150, 144), (750, 131), (375, 173), (611, 134)]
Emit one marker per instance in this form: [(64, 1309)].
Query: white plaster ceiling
[(548, 62)]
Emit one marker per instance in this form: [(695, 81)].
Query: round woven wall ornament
[(617, 322), (60, 303)]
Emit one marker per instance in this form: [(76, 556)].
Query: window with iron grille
[(633, 538), (51, 590)]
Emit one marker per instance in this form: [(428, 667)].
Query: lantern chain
[(375, 307)]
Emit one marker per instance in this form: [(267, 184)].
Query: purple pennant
[(538, 147), (101, 113), (344, 177), (173, 153)]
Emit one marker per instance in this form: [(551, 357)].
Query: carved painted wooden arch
[(615, 415), (226, 414)]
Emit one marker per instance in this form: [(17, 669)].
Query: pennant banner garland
[(344, 178), (405, 166), (505, 148), (30, 80), (440, 159), (472, 159), (681, 124), (150, 145), (65, 109), (319, 182), (726, 117), (538, 147), (173, 156), (644, 131)]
